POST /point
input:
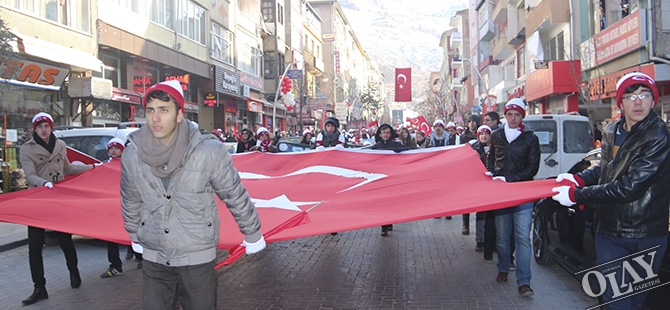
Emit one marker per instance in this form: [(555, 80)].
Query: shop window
[(222, 44), (191, 21)]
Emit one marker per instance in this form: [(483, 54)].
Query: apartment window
[(510, 71), (248, 55), (555, 48), (157, 11), (74, 14), (110, 69), (191, 21), (280, 14), (521, 59), (266, 10), (222, 44)]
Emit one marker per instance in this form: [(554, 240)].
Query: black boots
[(386, 229), (38, 294), (75, 280)]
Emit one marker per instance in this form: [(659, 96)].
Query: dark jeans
[(113, 256), (490, 232), (610, 248), (193, 286), (35, 244)]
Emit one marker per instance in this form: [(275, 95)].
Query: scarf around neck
[(163, 158), (48, 146)]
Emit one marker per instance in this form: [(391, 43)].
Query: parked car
[(566, 236), (93, 141), (564, 139)]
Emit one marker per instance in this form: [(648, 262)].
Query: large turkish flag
[(403, 84), (296, 194)]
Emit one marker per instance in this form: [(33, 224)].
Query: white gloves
[(488, 173), (567, 176), (48, 184), (500, 178), (320, 148), (137, 248), (563, 195), (339, 147), (254, 247), (97, 164)]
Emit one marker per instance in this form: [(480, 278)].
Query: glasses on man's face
[(633, 97)]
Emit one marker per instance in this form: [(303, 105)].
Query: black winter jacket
[(516, 161), (630, 190)]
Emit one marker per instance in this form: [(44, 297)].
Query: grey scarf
[(163, 159)]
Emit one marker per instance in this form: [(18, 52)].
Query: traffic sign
[(294, 74), (476, 109), (459, 119)]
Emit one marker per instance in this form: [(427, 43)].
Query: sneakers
[(525, 291), (512, 267), (479, 247), (111, 272), (488, 257)]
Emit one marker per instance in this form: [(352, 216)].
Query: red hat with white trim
[(516, 104), (172, 88), (451, 125), (438, 122), (262, 131), (631, 79), (483, 128), (115, 142), (42, 117)]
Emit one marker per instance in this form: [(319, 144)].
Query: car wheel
[(540, 246)]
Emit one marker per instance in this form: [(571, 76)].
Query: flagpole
[(274, 104)]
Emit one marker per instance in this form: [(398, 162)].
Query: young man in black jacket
[(515, 157), (385, 138), (629, 188)]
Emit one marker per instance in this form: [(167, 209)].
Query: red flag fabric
[(373, 123), (403, 84), (296, 194), (421, 124), (76, 155)]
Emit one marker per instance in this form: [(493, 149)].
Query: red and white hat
[(306, 132), (262, 131), (438, 122), (631, 79), (42, 117), (172, 88), (451, 125), (516, 104), (115, 142), (483, 128)]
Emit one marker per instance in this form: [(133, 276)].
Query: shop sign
[(33, 74), (191, 106), (337, 63), (226, 81), (518, 91), (605, 86), (210, 100), (118, 96), (328, 37), (231, 106), (254, 106), (141, 84), (620, 38), (253, 82), (184, 80)]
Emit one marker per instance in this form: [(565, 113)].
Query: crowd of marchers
[(629, 189)]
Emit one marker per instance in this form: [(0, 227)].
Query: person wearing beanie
[(629, 187), (171, 175), (44, 161), (330, 136), (454, 136), (385, 138), (246, 142), (263, 141), (439, 137), (466, 136), (307, 138), (514, 157)]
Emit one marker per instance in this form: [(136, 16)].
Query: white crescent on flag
[(404, 77)]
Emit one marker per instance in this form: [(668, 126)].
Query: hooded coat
[(389, 144)]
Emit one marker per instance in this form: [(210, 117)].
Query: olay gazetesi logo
[(626, 276)]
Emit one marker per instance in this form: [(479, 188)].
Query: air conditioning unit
[(87, 87), (245, 91)]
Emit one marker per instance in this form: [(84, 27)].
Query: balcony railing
[(500, 12)]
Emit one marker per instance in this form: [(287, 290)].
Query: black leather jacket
[(631, 190), (516, 161)]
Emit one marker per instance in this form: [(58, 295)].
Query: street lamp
[(274, 104)]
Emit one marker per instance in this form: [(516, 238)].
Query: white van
[(93, 141), (564, 139)]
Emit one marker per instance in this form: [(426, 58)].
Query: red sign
[(231, 106), (183, 80), (605, 86), (518, 91), (337, 63), (141, 84), (620, 38), (119, 94), (33, 74), (254, 106), (210, 100)]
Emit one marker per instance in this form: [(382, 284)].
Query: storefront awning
[(76, 59)]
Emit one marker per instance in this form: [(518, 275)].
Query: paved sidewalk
[(12, 236), (422, 265)]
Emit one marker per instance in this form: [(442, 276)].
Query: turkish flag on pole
[(403, 84)]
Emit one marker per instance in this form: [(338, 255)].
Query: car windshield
[(545, 130), (576, 137)]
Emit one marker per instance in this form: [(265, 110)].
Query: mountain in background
[(401, 34)]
